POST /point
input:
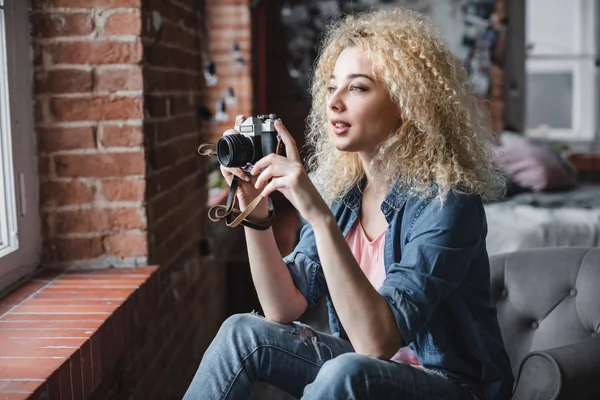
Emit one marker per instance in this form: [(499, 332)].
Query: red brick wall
[(89, 109), (117, 86), (173, 87), (228, 21)]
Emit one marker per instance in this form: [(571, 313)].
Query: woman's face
[(360, 113)]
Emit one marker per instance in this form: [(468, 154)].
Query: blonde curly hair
[(444, 139)]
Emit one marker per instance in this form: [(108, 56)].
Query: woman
[(395, 239)]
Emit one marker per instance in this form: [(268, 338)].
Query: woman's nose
[(335, 102)]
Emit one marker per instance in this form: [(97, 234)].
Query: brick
[(167, 178), (100, 165), (176, 126), (496, 109), (98, 220), (63, 81), (60, 24), (157, 55), (156, 106), (38, 110), (162, 205), (216, 25), (127, 23), (226, 46), (76, 375), (175, 151), (496, 74), (65, 193), (90, 3), (72, 249), (497, 91), (38, 56), (169, 242), (121, 136), (181, 105), (123, 190), (173, 222), (170, 81), (90, 52), (96, 108), (126, 244), (44, 166), (54, 139), (172, 34), (165, 9), (119, 79)]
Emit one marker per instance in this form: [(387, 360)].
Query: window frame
[(20, 263)]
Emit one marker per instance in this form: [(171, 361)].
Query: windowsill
[(63, 331), (585, 162)]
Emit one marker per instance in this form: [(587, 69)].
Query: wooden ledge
[(63, 331)]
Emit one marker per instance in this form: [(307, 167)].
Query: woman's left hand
[(289, 177)]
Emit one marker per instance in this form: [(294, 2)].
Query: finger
[(271, 172), (291, 149), (274, 185), (236, 172), (264, 177), (266, 161), (230, 132), (239, 119)]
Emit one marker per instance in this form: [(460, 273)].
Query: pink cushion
[(533, 167), (406, 355)]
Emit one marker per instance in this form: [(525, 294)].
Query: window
[(19, 212), (561, 99), (8, 215)]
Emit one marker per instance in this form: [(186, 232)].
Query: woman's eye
[(331, 89), (354, 88)]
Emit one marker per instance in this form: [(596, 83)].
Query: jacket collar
[(394, 199)]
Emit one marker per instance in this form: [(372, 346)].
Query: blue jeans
[(306, 364)]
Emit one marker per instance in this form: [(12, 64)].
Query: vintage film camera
[(257, 139)]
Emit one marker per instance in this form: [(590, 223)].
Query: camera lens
[(234, 150)]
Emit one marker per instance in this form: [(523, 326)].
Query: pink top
[(369, 255)]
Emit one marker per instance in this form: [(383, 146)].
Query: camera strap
[(233, 216)]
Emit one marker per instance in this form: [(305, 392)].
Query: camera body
[(257, 138)]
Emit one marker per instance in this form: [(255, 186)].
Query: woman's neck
[(374, 182)]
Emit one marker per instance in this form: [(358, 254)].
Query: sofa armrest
[(567, 372)]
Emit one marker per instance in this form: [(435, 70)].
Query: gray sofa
[(549, 311)]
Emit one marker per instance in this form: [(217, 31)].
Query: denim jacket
[(437, 284)]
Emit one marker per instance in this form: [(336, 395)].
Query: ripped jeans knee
[(249, 348)]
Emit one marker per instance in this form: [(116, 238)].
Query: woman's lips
[(340, 127)]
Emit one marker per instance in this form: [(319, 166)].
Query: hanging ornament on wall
[(286, 8), (210, 73), (221, 114), (204, 113), (237, 55), (294, 74), (230, 99)]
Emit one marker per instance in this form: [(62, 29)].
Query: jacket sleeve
[(305, 267), (441, 243)]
